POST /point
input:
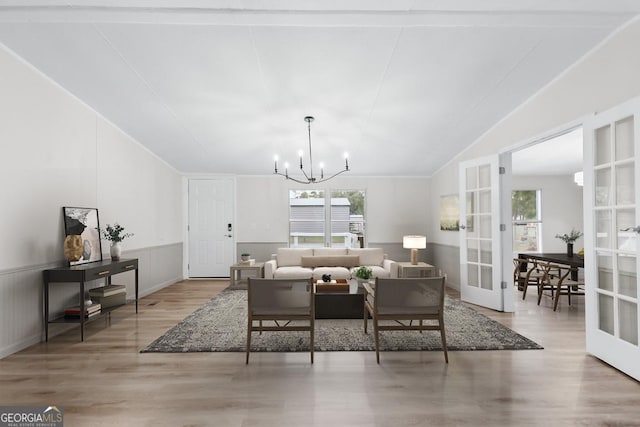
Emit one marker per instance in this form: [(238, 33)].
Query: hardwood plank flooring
[(106, 381)]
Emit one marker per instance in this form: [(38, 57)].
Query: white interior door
[(611, 223), (211, 229), (480, 253)]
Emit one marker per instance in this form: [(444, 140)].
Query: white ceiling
[(561, 155), (222, 86)]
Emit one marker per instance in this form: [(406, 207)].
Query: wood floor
[(106, 381)]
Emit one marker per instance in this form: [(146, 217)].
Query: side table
[(421, 269), (235, 272)]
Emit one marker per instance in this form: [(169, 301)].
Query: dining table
[(575, 261)]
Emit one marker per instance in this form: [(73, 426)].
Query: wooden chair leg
[(444, 339), (248, 339), (556, 299), (377, 338), (540, 290), (366, 315), (311, 339)]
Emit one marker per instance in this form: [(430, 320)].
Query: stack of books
[(89, 311), (247, 262), (109, 296)]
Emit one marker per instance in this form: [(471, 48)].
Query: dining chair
[(280, 302), (527, 272), (405, 301), (558, 279)]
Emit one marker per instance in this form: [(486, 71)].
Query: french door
[(612, 191), (211, 232), (480, 245)]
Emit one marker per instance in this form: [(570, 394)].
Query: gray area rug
[(220, 325)]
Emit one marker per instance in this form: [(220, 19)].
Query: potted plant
[(569, 239), (245, 256), (115, 234), (363, 274)]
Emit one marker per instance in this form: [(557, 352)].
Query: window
[(320, 218), (526, 219)]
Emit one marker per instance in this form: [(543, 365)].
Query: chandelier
[(309, 178)]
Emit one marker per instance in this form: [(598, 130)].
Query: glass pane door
[(612, 282), (479, 233)]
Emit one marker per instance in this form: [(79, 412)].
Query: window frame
[(328, 222), (538, 221)]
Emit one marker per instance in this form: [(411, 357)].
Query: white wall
[(55, 151), (561, 207), (395, 206), (606, 77)]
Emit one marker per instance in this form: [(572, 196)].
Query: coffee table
[(341, 305)]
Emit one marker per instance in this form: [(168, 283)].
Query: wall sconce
[(414, 243)]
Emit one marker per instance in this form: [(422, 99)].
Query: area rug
[(220, 326)]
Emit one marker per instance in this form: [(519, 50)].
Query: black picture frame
[(84, 222)]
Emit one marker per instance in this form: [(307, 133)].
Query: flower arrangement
[(571, 237), (114, 233), (364, 273)]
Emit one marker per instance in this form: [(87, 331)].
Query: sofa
[(340, 263)]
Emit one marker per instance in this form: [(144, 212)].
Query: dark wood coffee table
[(341, 305)]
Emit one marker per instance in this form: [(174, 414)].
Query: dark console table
[(81, 274)]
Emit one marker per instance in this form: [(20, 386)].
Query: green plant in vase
[(115, 234), (569, 239), (363, 274)]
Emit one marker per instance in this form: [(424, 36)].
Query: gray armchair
[(280, 301), (404, 301)]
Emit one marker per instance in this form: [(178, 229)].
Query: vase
[(361, 281), (116, 251), (73, 247), (569, 249)]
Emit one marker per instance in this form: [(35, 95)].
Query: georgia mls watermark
[(31, 416)]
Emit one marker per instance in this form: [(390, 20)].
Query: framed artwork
[(82, 238), (449, 213)]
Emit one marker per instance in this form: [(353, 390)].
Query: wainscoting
[(447, 259), (21, 299)]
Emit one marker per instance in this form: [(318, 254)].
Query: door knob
[(462, 226), (228, 235), (636, 229)]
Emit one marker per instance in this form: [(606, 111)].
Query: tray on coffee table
[(338, 285)]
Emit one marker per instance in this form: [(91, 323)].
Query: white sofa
[(340, 263)]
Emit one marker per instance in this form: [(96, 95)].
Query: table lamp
[(414, 243)]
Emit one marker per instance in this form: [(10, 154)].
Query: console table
[(81, 274)]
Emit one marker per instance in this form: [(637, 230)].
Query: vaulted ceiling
[(222, 86)]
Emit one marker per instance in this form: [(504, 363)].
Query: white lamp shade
[(414, 242)]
